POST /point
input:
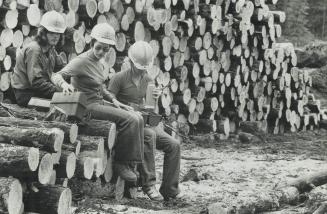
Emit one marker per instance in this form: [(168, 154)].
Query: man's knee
[(149, 136), (174, 146)]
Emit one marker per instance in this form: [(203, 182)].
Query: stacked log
[(41, 154), (223, 50)]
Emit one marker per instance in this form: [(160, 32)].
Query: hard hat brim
[(106, 41), (55, 30), (137, 65)]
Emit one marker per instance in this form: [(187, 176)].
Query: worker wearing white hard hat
[(129, 86), (36, 62), (86, 73)]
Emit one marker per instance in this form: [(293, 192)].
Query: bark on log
[(20, 112), (93, 145), (100, 128), (46, 139), (11, 196), (18, 161), (49, 199), (70, 130), (67, 165)]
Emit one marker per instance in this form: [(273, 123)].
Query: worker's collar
[(135, 72)]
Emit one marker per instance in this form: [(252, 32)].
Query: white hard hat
[(53, 22), (141, 54), (103, 32)]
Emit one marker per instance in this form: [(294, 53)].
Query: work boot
[(152, 193), (125, 172)]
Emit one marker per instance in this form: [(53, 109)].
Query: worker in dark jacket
[(129, 86), (36, 62)]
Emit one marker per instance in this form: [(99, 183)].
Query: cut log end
[(59, 138), (33, 158), (45, 169), (112, 136), (65, 201), (71, 165), (73, 133)]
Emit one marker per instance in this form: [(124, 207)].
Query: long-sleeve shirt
[(86, 75), (122, 86), (34, 69)]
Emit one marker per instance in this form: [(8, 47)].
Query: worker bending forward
[(129, 86), (37, 61), (87, 75)]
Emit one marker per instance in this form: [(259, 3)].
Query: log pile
[(43, 156), (218, 62)]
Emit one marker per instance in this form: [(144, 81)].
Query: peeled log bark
[(70, 130), (11, 196), (18, 161), (46, 139), (49, 199), (100, 128)]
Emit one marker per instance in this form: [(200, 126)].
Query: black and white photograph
[(163, 106)]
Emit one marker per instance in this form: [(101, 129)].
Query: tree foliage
[(296, 25)]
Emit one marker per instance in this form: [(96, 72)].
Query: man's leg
[(129, 146), (171, 167), (147, 168)]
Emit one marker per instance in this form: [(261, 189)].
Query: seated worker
[(129, 86), (86, 73), (36, 62)]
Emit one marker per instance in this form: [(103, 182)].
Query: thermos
[(150, 101)]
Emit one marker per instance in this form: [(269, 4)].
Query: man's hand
[(156, 93), (67, 88), (121, 105)]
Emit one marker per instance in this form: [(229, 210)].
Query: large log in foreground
[(18, 161), (46, 139), (11, 196), (49, 199), (100, 128), (70, 130)]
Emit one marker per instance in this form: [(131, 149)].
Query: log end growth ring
[(59, 138), (112, 136), (15, 197), (45, 169), (33, 158), (71, 165), (73, 133), (65, 201)]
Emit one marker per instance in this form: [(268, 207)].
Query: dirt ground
[(229, 172)]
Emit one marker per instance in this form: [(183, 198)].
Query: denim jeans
[(130, 138), (155, 137)]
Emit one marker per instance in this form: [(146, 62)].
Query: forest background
[(306, 21)]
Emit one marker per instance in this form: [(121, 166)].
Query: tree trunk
[(100, 128), (46, 139), (67, 165), (18, 161), (20, 112), (11, 196), (70, 130), (49, 199), (92, 145)]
